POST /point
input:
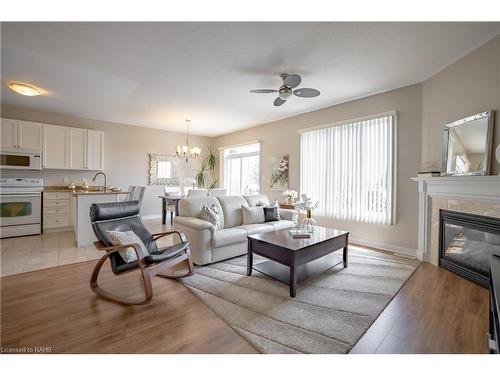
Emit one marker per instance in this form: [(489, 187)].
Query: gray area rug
[(329, 314)]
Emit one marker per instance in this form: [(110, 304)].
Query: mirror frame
[(489, 138), (153, 170)]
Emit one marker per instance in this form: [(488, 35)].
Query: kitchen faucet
[(103, 174)]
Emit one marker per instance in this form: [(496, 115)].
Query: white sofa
[(209, 245)]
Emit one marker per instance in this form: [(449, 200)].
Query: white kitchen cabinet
[(77, 148), (8, 133), (57, 211), (29, 135), (21, 135), (55, 147), (95, 150)]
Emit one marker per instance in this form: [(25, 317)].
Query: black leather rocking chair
[(124, 216)]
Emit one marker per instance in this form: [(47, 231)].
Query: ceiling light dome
[(25, 89)]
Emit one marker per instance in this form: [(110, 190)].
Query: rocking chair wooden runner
[(124, 216)]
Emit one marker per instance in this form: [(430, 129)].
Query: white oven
[(20, 160), (20, 206)]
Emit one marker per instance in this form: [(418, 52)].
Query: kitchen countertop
[(96, 192), (76, 192)]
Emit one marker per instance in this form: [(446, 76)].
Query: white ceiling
[(158, 74)]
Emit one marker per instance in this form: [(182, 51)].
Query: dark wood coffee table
[(293, 260)]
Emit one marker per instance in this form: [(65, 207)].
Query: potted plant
[(208, 169), (306, 204)]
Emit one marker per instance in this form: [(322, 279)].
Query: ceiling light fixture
[(25, 89), (185, 151)]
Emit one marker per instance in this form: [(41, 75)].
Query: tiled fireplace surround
[(472, 194)]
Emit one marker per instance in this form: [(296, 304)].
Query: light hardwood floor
[(434, 312)]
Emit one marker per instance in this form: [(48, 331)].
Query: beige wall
[(470, 85), (282, 137), (125, 153)]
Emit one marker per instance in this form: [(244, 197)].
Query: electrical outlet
[(65, 180)]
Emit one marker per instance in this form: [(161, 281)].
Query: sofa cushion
[(228, 236), (213, 215), (126, 238), (282, 224), (253, 200), (231, 208), (257, 228), (271, 214), (191, 207), (252, 215)]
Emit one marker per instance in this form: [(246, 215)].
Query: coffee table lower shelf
[(281, 272)]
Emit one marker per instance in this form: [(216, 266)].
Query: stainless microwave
[(20, 160)]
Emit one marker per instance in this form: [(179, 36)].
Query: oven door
[(20, 209)]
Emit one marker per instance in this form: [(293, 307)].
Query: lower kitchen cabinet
[(57, 211)]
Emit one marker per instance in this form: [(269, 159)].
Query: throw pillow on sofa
[(253, 215), (271, 214), (213, 216), (126, 238)]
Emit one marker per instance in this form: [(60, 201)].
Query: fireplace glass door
[(467, 243)]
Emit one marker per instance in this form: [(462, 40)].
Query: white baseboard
[(151, 217), (384, 246)]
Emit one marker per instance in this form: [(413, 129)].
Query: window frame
[(394, 152), (224, 158)]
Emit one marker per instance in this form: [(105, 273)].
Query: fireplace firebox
[(466, 243)]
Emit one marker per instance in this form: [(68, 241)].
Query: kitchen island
[(83, 200)]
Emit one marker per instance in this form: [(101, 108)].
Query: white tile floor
[(30, 253)]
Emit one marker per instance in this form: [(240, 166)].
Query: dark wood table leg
[(163, 211), (171, 217), (293, 281), (177, 207), (346, 250), (249, 258)]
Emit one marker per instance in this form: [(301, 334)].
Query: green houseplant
[(208, 169)]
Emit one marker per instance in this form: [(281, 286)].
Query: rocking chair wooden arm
[(141, 254), (181, 235)]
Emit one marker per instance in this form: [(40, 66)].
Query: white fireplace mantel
[(470, 188)]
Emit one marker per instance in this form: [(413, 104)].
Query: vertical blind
[(348, 168)]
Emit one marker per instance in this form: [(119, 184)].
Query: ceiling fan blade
[(306, 93), (263, 91), (278, 101), (292, 80)]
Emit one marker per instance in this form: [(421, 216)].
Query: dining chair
[(197, 193), (139, 193), (217, 192), (169, 206), (131, 191)]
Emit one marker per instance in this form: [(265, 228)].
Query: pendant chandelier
[(186, 151)]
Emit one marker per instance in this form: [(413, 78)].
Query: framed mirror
[(163, 170), (467, 146)]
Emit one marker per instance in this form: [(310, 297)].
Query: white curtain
[(348, 168)]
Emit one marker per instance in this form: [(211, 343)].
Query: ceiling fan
[(290, 81)]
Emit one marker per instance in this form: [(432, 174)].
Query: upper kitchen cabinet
[(29, 135), (95, 150), (9, 133), (77, 148), (55, 147), (21, 135)]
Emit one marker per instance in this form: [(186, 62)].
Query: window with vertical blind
[(349, 169), (242, 169)]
